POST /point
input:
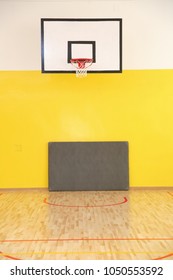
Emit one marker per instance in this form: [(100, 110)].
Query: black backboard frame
[(43, 20)]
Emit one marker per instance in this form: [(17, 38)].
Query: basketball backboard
[(97, 39)]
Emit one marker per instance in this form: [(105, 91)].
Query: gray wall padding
[(88, 166)]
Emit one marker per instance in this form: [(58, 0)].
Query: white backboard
[(64, 39)]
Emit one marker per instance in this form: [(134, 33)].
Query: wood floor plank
[(86, 225)]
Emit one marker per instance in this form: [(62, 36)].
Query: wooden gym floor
[(108, 225)]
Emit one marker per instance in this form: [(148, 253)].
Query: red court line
[(14, 258), (86, 239), (9, 257), (85, 206), (164, 257)]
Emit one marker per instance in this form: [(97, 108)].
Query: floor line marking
[(164, 257), (88, 252), (84, 206), (86, 239), (8, 256)]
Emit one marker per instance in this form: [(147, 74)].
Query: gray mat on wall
[(88, 166)]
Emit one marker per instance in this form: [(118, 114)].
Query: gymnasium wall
[(134, 106)]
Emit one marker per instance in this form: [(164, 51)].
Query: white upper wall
[(147, 30)]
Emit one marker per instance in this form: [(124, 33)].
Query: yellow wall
[(35, 108)]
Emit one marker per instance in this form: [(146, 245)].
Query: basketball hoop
[(81, 65)]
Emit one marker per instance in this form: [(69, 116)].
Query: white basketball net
[(81, 73)]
